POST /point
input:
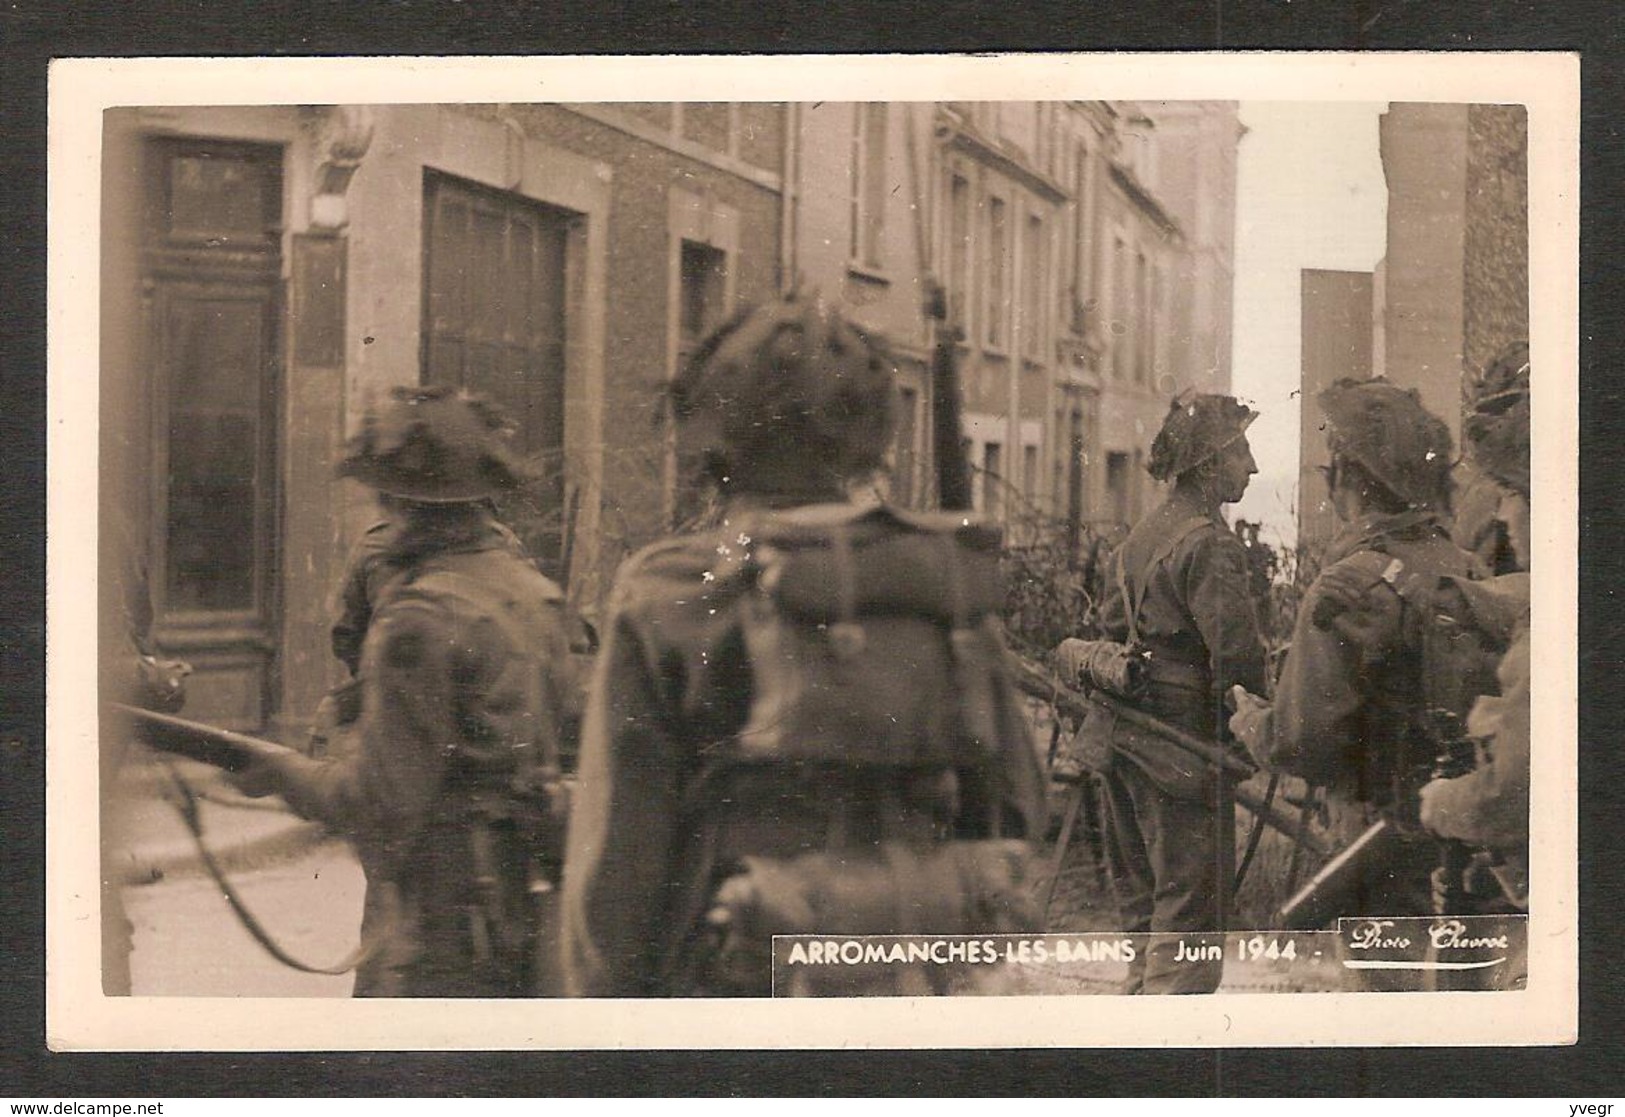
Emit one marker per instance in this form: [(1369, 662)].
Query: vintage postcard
[(1206, 431)]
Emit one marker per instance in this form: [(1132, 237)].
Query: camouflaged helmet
[(1387, 431), (1496, 428), (434, 446), (1195, 430), (789, 384)]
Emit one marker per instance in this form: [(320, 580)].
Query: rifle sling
[(188, 810)]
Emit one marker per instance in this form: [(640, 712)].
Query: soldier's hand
[(1432, 812), (162, 683), (1339, 589), (1445, 885), (259, 779), (1250, 724)]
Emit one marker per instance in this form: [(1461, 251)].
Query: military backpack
[(866, 791)]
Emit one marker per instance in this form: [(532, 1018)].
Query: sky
[(1309, 194)]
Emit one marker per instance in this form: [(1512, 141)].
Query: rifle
[(1040, 684), (219, 748), (947, 439), (1328, 892), (222, 748)]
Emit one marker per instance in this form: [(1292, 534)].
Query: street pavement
[(306, 890), (304, 887), (188, 943)]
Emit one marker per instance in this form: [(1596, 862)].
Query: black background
[(34, 31)]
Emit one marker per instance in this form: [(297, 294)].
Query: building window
[(1140, 323), (869, 186), (1118, 293), (1154, 324), (1049, 138), (1081, 237), (1033, 274), (993, 480), (1118, 485), (1057, 473), (904, 482), (702, 294), (1074, 481), (702, 286), (994, 116), (1029, 474), (494, 317), (709, 123), (998, 286), (959, 233)]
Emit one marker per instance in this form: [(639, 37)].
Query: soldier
[(447, 796), (1499, 410), (1178, 589), (1348, 712), (788, 405), (1488, 807)]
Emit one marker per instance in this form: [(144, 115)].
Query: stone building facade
[(1086, 252), (268, 273), (1452, 289)]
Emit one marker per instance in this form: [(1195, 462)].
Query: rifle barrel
[(219, 747), (1041, 684), (1326, 895)]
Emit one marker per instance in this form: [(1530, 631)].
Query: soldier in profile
[(447, 793), (1177, 591), (781, 736)]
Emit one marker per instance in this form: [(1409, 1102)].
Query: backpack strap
[(1128, 606), (1161, 555)]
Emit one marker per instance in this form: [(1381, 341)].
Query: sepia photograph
[(920, 552)]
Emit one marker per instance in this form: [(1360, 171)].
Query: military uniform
[(460, 703), (716, 783), (1347, 700), (377, 559), (673, 683), (369, 568), (1197, 619), (1489, 806), (447, 795)]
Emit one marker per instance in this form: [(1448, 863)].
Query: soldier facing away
[(746, 771), (370, 570), (447, 795), (1177, 588), (1349, 705)]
